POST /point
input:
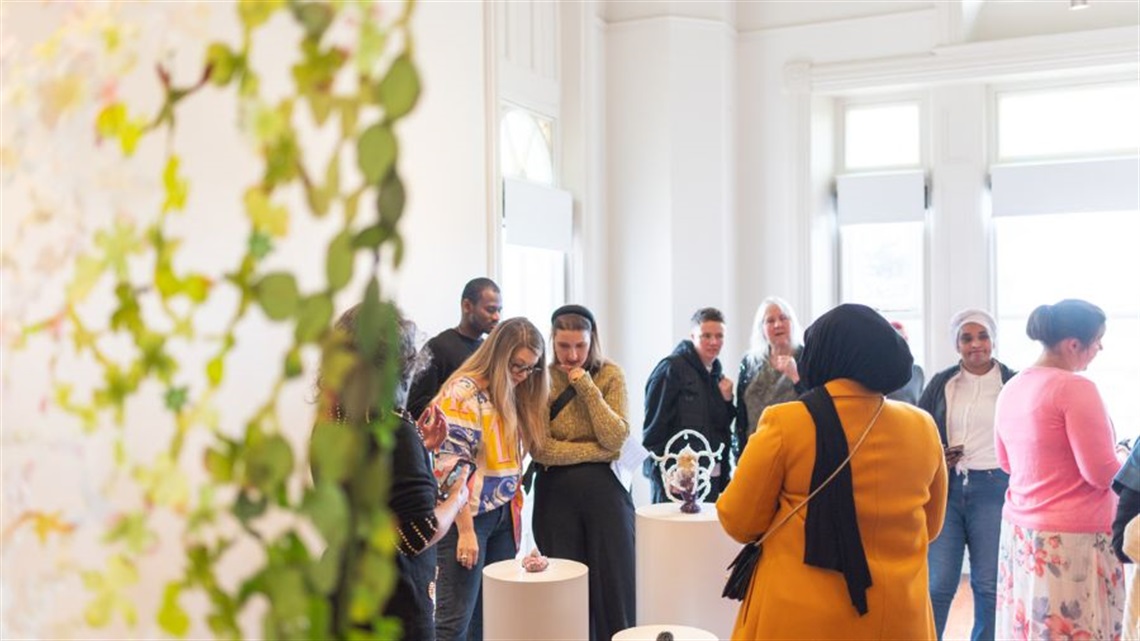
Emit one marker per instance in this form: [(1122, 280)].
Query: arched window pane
[(525, 143)]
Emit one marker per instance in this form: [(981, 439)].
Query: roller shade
[(537, 215), (881, 197), (1066, 187)]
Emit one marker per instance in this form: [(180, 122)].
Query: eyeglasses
[(524, 369)]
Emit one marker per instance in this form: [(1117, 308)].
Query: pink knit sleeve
[(999, 444), (1089, 430)]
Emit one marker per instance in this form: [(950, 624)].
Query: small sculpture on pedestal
[(686, 480)]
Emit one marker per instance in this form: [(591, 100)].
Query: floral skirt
[(1058, 585)]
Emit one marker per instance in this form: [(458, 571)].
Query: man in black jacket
[(688, 390), (479, 307)]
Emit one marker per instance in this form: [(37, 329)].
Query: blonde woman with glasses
[(494, 409)]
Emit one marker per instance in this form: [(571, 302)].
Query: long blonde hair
[(522, 408)]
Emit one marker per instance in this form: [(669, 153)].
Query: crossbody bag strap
[(562, 401), (835, 473)]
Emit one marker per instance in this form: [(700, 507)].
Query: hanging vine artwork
[(127, 328)]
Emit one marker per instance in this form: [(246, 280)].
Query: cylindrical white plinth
[(650, 632), (552, 604), (681, 568)]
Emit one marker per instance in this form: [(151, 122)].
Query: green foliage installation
[(337, 487)]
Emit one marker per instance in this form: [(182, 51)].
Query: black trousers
[(583, 513)]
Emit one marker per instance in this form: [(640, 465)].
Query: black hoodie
[(682, 394)]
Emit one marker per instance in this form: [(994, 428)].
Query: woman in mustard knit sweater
[(581, 509)]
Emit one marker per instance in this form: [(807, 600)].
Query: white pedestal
[(681, 568), (552, 604), (650, 632)]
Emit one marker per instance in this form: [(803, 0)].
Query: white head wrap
[(978, 316)]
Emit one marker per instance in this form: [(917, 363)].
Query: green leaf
[(327, 506), (196, 287), (390, 200), (164, 484), (110, 588), (324, 572), (370, 47), (269, 123), (175, 187), (349, 112), (110, 119), (285, 587), (338, 267), (387, 628), (324, 196), (376, 152), (370, 237), (222, 62), (171, 617), (335, 365), (319, 200), (368, 323), (260, 245), (313, 317), (118, 244), (215, 370), (293, 366), (246, 508), (370, 484), (278, 296), (351, 206), (334, 451), (267, 218), (282, 158), (397, 251), (378, 578), (314, 17), (255, 13), (400, 88), (88, 271), (128, 315), (131, 529), (219, 465), (113, 122), (320, 618), (176, 398), (269, 463)]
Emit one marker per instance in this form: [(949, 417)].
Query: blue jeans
[(459, 591), (973, 520)]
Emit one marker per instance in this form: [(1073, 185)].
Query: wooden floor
[(961, 619)]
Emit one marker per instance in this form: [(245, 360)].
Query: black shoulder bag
[(742, 568)]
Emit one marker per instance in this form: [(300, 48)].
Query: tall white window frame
[(1080, 208), (535, 270), (882, 240)]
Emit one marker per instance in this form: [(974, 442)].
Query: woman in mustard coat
[(852, 563)]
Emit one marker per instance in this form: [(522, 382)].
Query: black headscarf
[(855, 342)]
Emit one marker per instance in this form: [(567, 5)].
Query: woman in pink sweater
[(1057, 574)]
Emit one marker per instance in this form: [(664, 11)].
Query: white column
[(959, 263)]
